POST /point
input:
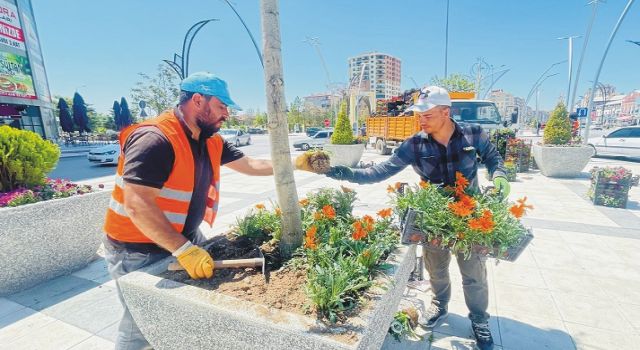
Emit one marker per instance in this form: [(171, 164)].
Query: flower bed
[(519, 152), (461, 221), (610, 186), (52, 189), (339, 291)]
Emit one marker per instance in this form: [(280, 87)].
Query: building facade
[(381, 73), (25, 100), (508, 103)]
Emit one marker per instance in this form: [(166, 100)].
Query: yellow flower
[(260, 206)]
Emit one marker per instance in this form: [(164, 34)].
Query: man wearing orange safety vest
[(167, 183)]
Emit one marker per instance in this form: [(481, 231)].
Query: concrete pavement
[(576, 286)]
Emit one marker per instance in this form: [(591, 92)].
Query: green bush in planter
[(558, 128), (342, 134), (25, 158)]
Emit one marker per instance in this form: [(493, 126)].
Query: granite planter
[(347, 155), (44, 240), (561, 161), (174, 315)]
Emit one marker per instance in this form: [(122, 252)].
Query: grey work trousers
[(120, 262), (474, 281)]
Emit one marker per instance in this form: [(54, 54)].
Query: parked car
[(316, 141), (620, 142), (310, 131), (256, 131), (235, 137), (105, 155)]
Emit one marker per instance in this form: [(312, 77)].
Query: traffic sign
[(326, 123), (582, 112)]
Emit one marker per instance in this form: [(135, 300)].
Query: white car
[(105, 155), (620, 142), (316, 141), (235, 137)]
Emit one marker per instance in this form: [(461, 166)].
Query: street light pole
[(604, 56), (182, 68), (570, 38), (253, 40), (535, 87), (446, 42), (594, 4)]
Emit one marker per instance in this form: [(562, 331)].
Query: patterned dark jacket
[(438, 164)]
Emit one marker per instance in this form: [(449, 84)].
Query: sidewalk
[(576, 286)]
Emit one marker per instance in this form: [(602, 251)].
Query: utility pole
[(568, 96), (278, 131)]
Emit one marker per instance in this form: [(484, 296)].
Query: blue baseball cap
[(208, 84)]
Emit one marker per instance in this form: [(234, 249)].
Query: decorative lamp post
[(180, 63)]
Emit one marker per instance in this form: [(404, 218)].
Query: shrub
[(25, 158), (342, 135), (499, 138), (558, 128)]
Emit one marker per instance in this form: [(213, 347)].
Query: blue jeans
[(121, 261)]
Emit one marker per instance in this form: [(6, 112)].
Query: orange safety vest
[(175, 195)]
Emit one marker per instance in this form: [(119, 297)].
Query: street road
[(80, 169)]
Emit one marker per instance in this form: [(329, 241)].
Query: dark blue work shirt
[(438, 164)]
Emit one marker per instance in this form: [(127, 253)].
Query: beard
[(206, 129)]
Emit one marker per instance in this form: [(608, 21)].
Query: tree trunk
[(278, 130)]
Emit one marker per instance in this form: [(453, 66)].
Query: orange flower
[(329, 212), (424, 184), (385, 213), (366, 254), (358, 232), (310, 239), (464, 206), (317, 216), (518, 210), (460, 235), (304, 202), (484, 223), (260, 206), (368, 223), (461, 181), (398, 186), (390, 189), (278, 212), (460, 209)]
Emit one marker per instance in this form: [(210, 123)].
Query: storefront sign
[(10, 30), (15, 76)]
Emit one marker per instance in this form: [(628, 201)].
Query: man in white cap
[(436, 153)]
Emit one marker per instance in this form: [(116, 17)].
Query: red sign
[(326, 123)]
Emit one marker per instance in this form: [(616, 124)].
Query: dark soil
[(280, 287), (319, 162)]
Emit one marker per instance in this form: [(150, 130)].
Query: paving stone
[(94, 343), (52, 292), (8, 307), (589, 338), (59, 335), (22, 322)]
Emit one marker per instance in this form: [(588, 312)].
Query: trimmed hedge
[(558, 128), (342, 134)]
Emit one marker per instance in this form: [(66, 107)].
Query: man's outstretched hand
[(340, 172)]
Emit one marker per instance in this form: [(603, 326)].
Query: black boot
[(482, 333)]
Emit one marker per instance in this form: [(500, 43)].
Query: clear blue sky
[(99, 47)]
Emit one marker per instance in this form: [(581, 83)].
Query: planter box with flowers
[(610, 186), (559, 155), (343, 148), (341, 289), (48, 231), (458, 220), (519, 152), (44, 234)]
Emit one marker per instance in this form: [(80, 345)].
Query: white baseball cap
[(430, 97)]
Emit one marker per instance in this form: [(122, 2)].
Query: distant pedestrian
[(538, 127)]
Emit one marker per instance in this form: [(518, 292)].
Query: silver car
[(235, 136), (316, 141), (620, 142)]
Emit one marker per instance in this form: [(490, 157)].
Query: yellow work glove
[(197, 262), (302, 162)]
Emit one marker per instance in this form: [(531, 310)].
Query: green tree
[(260, 120), (295, 116), (558, 128), (342, 134), (160, 92), (454, 82)]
